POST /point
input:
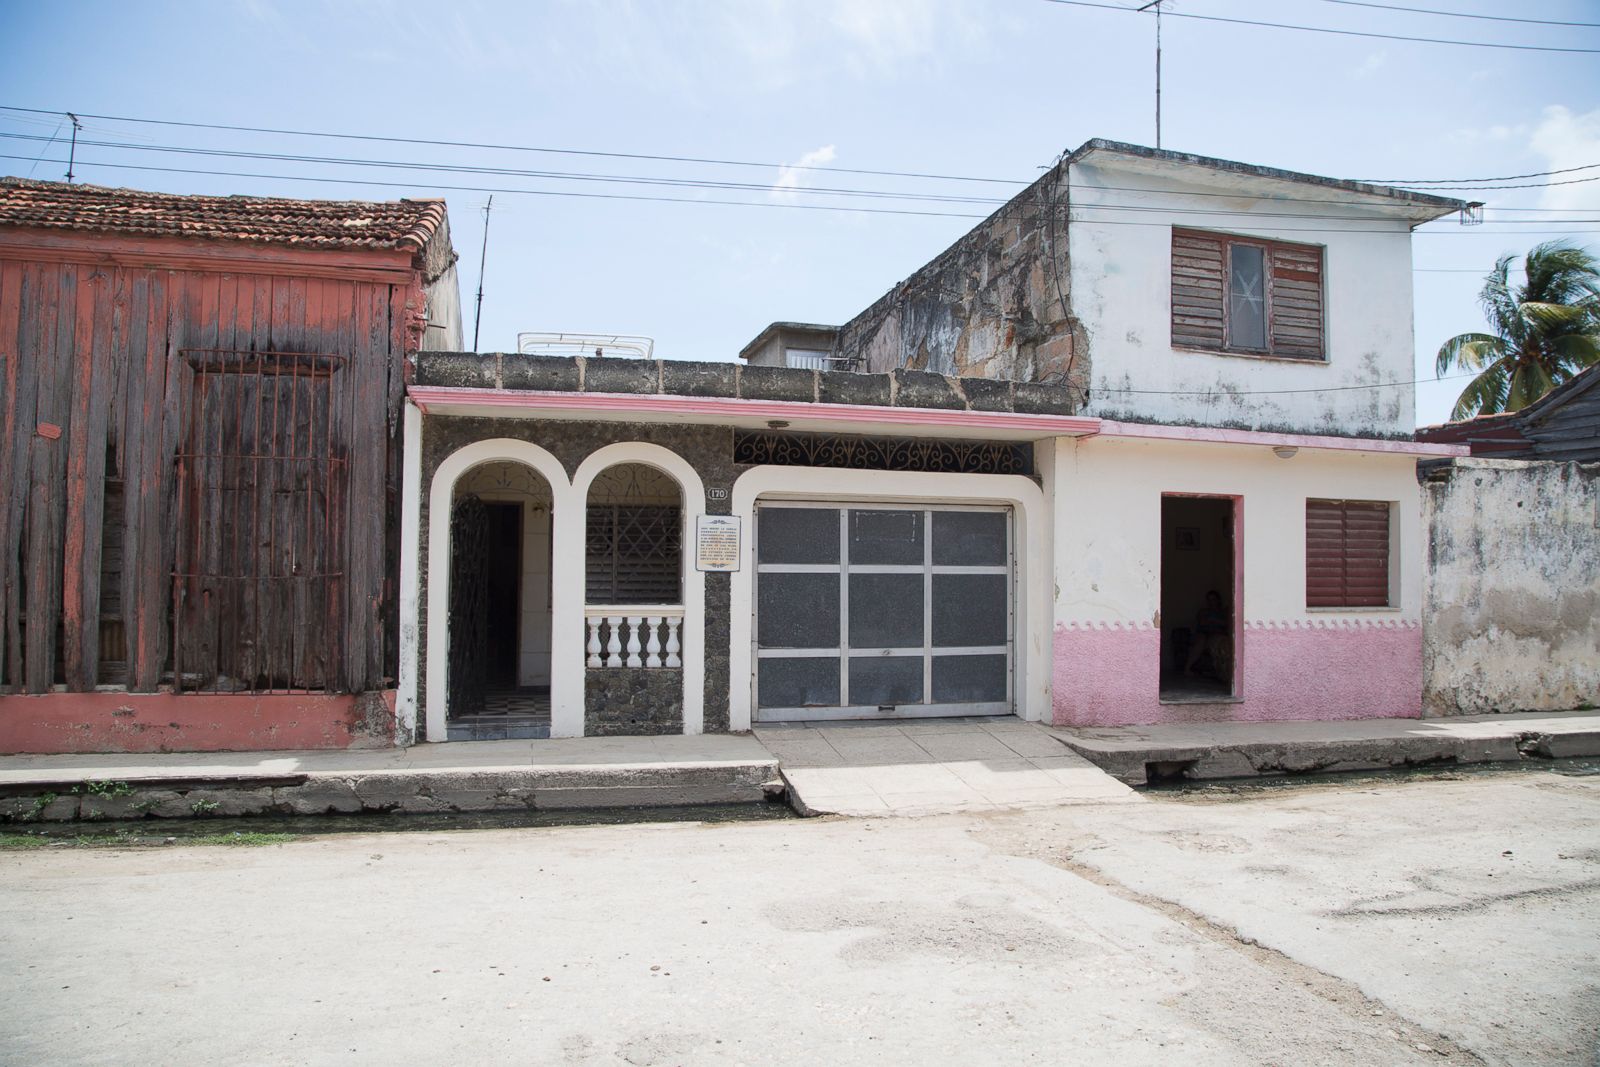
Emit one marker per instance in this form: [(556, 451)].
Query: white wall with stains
[(1511, 616), (1120, 237)]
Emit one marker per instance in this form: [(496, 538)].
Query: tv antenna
[(483, 257), (1156, 5)]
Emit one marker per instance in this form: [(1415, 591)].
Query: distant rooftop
[(396, 224)]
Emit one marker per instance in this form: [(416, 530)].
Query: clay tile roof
[(399, 224)]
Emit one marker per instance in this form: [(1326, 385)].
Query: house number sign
[(716, 542)]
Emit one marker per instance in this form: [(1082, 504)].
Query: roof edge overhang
[(862, 418), (748, 414), (1418, 207)]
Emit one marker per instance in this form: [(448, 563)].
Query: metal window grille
[(261, 483), (633, 554), (882, 453)]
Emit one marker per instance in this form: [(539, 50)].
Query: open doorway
[(1199, 608), (499, 670)]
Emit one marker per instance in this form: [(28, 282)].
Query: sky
[(992, 89)]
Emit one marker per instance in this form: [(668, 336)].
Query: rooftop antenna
[(1157, 5), (483, 257), (72, 153)]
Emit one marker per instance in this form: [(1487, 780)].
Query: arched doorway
[(499, 670)]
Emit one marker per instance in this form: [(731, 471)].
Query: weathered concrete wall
[(993, 305), (1511, 616), (1121, 254), (55, 723)]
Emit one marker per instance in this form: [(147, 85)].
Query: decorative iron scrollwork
[(934, 455)]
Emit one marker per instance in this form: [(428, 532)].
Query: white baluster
[(652, 648), (594, 640), (673, 621), (614, 646), (633, 642)]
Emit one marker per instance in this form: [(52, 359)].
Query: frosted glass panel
[(969, 679), (798, 611), (969, 609), (804, 681), (797, 535), (877, 680), (886, 611), (969, 538), (886, 537)]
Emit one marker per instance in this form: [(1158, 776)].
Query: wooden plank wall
[(95, 390)]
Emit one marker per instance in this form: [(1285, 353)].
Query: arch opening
[(500, 603)]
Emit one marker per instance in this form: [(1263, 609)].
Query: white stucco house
[(1136, 449)]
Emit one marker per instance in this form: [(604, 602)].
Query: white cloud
[(1567, 140), (794, 175), (1373, 61)]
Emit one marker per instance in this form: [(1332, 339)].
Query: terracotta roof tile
[(401, 224)]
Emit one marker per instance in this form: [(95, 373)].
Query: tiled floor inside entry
[(933, 765), (507, 715)]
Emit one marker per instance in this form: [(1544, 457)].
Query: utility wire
[(1460, 14), (1474, 181), (882, 194), (413, 187), (680, 159), (522, 148), (1326, 29)]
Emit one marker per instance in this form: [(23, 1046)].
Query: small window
[(1347, 554), (1247, 296)]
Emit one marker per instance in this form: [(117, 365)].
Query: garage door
[(882, 611)]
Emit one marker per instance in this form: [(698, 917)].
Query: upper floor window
[(1247, 296)]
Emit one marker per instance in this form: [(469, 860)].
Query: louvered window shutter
[(1199, 273), (1296, 301), (1347, 554)]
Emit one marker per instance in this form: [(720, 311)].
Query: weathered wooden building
[(199, 463)]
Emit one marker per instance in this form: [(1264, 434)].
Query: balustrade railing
[(634, 635)]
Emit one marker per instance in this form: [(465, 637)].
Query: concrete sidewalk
[(590, 772), (1244, 749)]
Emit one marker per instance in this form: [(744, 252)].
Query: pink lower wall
[(1108, 674), (56, 723)]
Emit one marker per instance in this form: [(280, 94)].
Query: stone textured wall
[(621, 701), (893, 387), (708, 449), (1511, 610), (996, 304)]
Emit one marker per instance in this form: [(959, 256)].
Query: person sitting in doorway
[(1213, 626)]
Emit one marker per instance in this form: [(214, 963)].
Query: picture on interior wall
[(1187, 538)]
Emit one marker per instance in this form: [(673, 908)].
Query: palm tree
[(1546, 330)]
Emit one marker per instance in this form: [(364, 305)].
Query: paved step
[(482, 776), (1134, 754), (932, 767)]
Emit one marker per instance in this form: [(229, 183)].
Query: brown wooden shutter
[(1199, 277), (1296, 301), (1347, 554)]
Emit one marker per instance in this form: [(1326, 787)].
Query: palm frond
[(1484, 395), (1469, 351)]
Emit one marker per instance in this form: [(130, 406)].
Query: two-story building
[(1136, 449)]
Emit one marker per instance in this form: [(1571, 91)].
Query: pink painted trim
[(1152, 431), (426, 396)]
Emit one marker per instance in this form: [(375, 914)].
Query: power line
[(1460, 14), (733, 163), (513, 172), (1342, 33), (521, 148), (1474, 181), (413, 187)]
